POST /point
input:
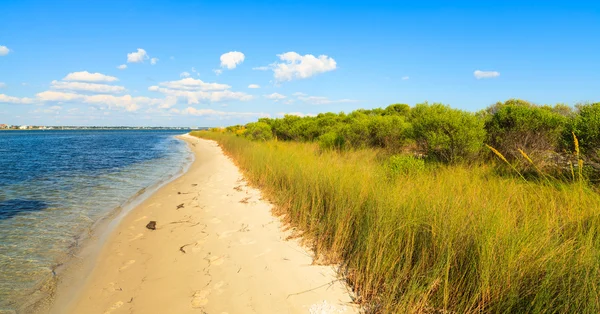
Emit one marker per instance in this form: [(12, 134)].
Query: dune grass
[(448, 239)]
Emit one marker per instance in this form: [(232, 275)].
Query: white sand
[(236, 260)]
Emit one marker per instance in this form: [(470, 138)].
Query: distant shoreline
[(105, 128)]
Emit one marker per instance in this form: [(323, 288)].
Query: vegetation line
[(422, 219)]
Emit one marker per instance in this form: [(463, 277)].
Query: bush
[(331, 140), (258, 131), (401, 164), (517, 124), (586, 125), (447, 134)]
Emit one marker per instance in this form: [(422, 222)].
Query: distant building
[(3, 126), (23, 127)]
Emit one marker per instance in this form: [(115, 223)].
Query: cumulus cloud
[(5, 99), (126, 102), (195, 97), (86, 76), (137, 57), (485, 74), (263, 68), (218, 71), (231, 59), (4, 51), (51, 110), (153, 61), (296, 66), (87, 87), (195, 91), (194, 84), (122, 67), (184, 74), (211, 112), (320, 100), (253, 86), (275, 96)]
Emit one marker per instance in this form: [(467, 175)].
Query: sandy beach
[(216, 249)]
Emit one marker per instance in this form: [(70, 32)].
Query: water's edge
[(71, 272)]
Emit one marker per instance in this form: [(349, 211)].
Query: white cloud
[(122, 67), (231, 59), (253, 86), (404, 78), (2, 85), (211, 112), (137, 57), (86, 76), (265, 68), (88, 87), (195, 91), (218, 71), (195, 97), (485, 74), (192, 84), (296, 66), (184, 74), (51, 110), (153, 61), (275, 96), (14, 100), (4, 51), (320, 100), (126, 102)]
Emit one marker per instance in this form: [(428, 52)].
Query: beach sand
[(216, 249)]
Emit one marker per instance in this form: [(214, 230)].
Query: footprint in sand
[(136, 237), (217, 287), (215, 220), (114, 307), (200, 298), (126, 265)]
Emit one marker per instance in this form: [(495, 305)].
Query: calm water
[(54, 185)]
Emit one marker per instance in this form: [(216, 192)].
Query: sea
[(57, 185)]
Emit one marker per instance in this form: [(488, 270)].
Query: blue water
[(54, 185)]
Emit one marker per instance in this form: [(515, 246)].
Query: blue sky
[(59, 59)]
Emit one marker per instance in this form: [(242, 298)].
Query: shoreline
[(209, 254), (79, 261)]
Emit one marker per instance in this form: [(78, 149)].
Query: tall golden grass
[(451, 239)]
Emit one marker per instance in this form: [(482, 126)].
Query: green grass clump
[(397, 165), (454, 239)]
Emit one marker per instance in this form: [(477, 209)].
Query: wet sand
[(216, 249)]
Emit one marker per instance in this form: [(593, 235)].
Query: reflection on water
[(55, 184)]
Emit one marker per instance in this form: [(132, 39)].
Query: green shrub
[(331, 140), (401, 164), (447, 134), (586, 125), (517, 124), (258, 131)]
